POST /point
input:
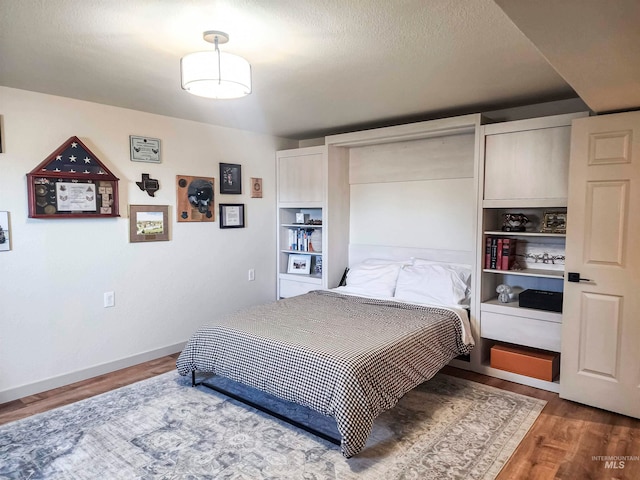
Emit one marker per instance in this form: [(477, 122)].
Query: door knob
[(575, 277)]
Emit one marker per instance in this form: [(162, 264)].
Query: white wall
[(53, 326)]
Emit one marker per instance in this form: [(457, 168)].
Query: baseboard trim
[(79, 375)]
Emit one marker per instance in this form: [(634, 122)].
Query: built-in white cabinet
[(524, 170), (312, 220)]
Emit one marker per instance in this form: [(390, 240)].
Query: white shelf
[(514, 309), (524, 234), (529, 272), (299, 225), (301, 252), (522, 379), (312, 278)]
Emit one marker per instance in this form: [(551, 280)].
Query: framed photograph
[(256, 187), (5, 242), (299, 264), (144, 149), (232, 215), (148, 223), (230, 179), (554, 222)]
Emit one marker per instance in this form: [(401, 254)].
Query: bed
[(345, 353)]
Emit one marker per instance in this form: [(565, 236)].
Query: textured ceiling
[(318, 66)]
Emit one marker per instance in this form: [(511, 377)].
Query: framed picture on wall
[(5, 243), (148, 223), (231, 215), (230, 178)]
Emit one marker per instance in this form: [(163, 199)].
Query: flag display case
[(72, 183)]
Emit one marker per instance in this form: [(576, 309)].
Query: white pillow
[(431, 283), (464, 271), (375, 280)]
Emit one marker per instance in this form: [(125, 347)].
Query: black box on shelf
[(541, 300)]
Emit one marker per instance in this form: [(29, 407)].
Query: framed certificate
[(232, 215), (144, 149)]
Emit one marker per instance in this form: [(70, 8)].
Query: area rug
[(447, 428)]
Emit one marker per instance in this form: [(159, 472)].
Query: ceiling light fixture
[(215, 74)]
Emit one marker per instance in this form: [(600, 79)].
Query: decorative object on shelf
[(541, 253), (232, 215), (504, 293), (149, 185), (195, 198), (300, 264), (5, 242), (148, 223), (545, 258), (554, 222), (302, 218), (144, 149), (317, 266), (230, 179), (256, 187), (215, 74), (72, 183), (514, 222)]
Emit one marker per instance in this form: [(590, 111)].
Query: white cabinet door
[(527, 165), (301, 176), (601, 331)]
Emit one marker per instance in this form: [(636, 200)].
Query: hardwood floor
[(561, 444)]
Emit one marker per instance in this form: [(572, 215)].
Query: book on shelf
[(500, 253), (300, 239)]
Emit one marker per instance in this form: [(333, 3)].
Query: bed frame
[(357, 253), (266, 410)]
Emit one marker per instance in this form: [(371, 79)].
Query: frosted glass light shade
[(200, 75)]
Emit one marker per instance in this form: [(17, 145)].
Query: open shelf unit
[(523, 170)]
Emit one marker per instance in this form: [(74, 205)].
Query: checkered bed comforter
[(344, 356)]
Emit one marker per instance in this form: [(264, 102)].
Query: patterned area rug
[(447, 428)]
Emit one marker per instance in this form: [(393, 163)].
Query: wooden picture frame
[(230, 179), (554, 222), (148, 223), (195, 198), (231, 215), (299, 264), (256, 187)]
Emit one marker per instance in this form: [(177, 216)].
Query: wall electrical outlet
[(109, 299), (252, 275)]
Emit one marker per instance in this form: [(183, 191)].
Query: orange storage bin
[(526, 361)]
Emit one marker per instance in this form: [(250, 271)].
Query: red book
[(499, 254), (508, 253)]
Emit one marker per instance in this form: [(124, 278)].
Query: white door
[(600, 363)]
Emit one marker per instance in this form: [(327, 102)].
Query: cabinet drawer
[(291, 288), (521, 330)]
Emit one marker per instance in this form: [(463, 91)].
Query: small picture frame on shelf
[(554, 222), (300, 264)]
